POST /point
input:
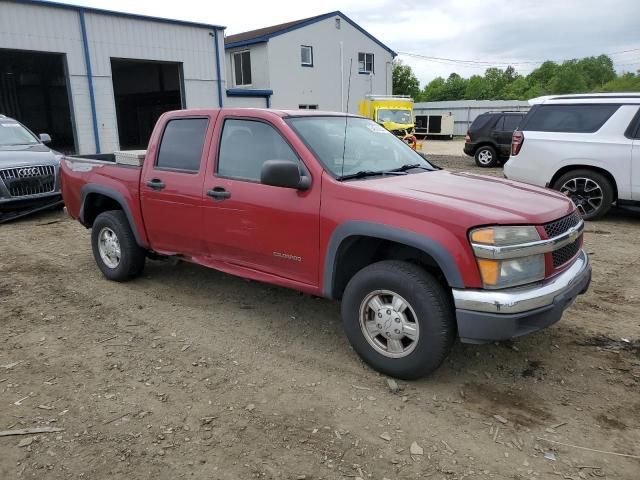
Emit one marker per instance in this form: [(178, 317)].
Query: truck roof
[(279, 112)]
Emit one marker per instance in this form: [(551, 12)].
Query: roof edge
[(115, 13), (311, 21), (248, 92)]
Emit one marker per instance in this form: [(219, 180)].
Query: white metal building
[(307, 64), (465, 111), (97, 80)]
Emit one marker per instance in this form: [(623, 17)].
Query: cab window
[(246, 144), (181, 145)]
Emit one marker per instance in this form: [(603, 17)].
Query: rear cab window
[(579, 118), (182, 144)]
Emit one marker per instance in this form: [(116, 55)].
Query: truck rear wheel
[(118, 255), (398, 318)]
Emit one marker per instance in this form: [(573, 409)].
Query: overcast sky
[(522, 32)]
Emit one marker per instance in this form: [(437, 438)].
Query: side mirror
[(45, 138), (283, 173)]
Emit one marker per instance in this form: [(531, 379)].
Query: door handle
[(218, 193), (156, 184)]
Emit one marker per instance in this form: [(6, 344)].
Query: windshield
[(12, 133), (397, 116), (369, 147)]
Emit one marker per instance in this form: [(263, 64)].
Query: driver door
[(270, 229)]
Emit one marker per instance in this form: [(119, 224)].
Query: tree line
[(589, 74)]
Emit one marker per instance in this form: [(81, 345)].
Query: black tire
[(486, 157), (132, 256), (426, 297), (584, 200)]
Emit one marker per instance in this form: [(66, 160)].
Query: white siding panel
[(82, 111), (118, 37), (245, 102), (51, 29), (320, 85), (44, 29), (201, 93)]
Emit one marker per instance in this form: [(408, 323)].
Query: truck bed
[(97, 175)]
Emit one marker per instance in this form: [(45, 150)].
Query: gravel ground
[(187, 372)]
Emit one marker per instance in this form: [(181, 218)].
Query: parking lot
[(190, 372)]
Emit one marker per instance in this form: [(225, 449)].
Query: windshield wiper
[(404, 168), (370, 173)]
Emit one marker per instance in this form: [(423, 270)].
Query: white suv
[(586, 146)]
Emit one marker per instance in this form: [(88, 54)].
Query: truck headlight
[(502, 273)]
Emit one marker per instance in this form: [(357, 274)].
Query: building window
[(338, 23), (365, 63), (307, 107), (306, 56), (242, 68)]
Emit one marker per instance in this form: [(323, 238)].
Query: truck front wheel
[(398, 318), (115, 249)]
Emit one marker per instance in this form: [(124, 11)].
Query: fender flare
[(426, 244), (114, 195)]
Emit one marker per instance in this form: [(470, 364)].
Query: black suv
[(489, 137)]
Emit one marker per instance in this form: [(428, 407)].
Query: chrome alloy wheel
[(485, 157), (389, 323), (585, 193), (109, 247)]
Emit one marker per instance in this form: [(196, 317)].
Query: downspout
[(215, 41), (92, 97)]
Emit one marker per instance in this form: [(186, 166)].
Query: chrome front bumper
[(487, 315)]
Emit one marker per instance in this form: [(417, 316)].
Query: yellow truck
[(393, 112)]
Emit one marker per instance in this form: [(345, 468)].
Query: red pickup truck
[(334, 205)]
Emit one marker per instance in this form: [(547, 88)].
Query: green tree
[(405, 81), (627, 82), (542, 75), (434, 90), (477, 88), (596, 71), (587, 74), (454, 87), (568, 79), (516, 90)]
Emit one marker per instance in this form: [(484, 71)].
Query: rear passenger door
[(171, 187)]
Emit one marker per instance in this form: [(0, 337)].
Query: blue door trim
[(215, 41), (92, 97)]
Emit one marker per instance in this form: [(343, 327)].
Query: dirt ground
[(443, 147), (190, 373)]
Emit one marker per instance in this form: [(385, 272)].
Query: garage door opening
[(34, 90), (143, 91)]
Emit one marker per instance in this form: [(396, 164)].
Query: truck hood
[(27, 155), (481, 199)]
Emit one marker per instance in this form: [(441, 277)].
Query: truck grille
[(558, 227), (566, 253), (32, 180)]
